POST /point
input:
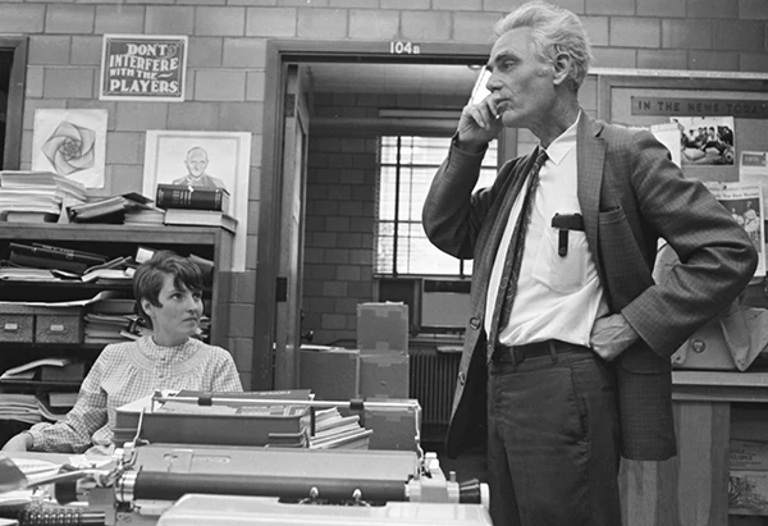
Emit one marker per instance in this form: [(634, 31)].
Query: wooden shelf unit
[(213, 243)]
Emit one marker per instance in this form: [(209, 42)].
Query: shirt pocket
[(564, 274)]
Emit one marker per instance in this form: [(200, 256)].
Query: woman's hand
[(21, 442)]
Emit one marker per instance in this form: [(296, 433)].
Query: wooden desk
[(692, 488)]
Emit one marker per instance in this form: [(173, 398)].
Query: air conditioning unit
[(444, 304)]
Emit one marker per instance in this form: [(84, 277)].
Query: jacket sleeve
[(452, 214), (717, 257)]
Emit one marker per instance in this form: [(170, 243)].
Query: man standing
[(197, 162), (569, 339)]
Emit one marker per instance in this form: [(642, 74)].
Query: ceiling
[(398, 79)]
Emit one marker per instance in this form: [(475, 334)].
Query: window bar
[(397, 207)]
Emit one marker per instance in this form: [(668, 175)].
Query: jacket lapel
[(590, 152)]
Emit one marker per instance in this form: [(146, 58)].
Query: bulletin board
[(716, 100), (721, 121)]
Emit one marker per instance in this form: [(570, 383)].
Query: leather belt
[(518, 353)]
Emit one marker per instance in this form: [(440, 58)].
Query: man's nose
[(493, 83)]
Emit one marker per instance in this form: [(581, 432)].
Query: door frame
[(278, 54), (16, 94)]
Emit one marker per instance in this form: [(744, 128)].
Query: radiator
[(432, 382)]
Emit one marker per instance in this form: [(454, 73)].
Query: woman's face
[(178, 315)]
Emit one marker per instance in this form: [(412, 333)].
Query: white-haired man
[(568, 339)]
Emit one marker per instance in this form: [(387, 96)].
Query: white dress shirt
[(557, 297)]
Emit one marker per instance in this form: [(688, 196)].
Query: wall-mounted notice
[(143, 67)]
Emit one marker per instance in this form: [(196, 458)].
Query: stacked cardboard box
[(382, 338), (331, 373)]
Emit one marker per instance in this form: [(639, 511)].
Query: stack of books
[(109, 210), (28, 196), (44, 256), (334, 431), (185, 205)]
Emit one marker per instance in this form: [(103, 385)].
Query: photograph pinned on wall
[(745, 203), (202, 159), (706, 140), (71, 143)]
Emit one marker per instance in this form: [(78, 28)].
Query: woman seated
[(168, 291)]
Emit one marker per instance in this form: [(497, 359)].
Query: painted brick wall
[(225, 89)]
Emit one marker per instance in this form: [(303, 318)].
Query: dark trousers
[(553, 439)]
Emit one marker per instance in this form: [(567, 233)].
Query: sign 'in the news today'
[(143, 67)]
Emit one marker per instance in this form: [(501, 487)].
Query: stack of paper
[(37, 196), (19, 407), (335, 431)]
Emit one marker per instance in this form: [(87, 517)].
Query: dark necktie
[(511, 271)]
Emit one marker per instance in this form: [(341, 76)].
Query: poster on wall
[(745, 203), (71, 143), (753, 169), (143, 67), (221, 159), (706, 140)]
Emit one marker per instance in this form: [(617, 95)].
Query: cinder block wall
[(227, 58)]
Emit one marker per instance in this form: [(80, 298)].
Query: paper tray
[(203, 426)]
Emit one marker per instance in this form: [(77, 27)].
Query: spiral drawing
[(70, 148)]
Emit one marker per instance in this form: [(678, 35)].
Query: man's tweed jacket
[(630, 195)]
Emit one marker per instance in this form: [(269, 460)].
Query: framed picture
[(143, 67), (219, 158), (71, 143)]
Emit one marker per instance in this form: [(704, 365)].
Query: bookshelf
[(212, 243)]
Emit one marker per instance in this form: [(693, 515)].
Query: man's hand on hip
[(611, 335)]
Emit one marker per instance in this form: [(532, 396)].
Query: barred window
[(407, 165)]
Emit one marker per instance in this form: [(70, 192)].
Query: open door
[(291, 242)]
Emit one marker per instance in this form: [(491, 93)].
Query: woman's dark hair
[(149, 277)]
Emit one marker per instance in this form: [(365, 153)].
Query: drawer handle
[(11, 327), (56, 328)]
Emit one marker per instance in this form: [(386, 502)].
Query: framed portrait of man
[(200, 159)]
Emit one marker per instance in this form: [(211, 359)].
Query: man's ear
[(562, 67)]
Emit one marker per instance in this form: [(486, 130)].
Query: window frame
[(463, 267)]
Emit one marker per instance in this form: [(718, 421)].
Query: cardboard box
[(748, 492), (28, 323), (384, 374), (331, 373), (748, 455), (395, 428), (382, 327)]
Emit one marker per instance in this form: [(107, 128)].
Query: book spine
[(183, 197), (77, 255), (28, 260), (47, 251)]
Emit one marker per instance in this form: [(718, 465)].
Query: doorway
[(333, 63), (13, 67)]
